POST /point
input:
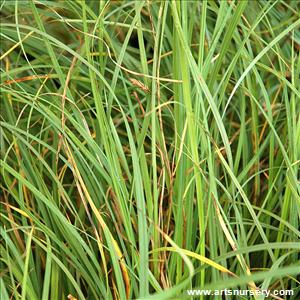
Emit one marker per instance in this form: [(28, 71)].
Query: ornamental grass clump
[(150, 149)]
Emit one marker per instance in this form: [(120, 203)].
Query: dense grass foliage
[(149, 147)]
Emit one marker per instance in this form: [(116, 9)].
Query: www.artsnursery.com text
[(229, 292)]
